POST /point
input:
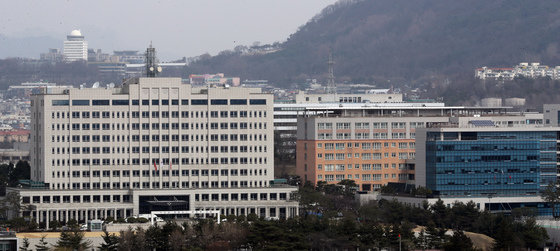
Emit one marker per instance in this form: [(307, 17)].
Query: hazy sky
[(177, 28)]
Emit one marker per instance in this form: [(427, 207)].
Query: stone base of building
[(42, 205)]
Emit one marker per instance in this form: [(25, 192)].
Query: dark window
[(218, 102), (257, 102), (184, 102), (60, 102), (238, 101), (145, 102), (165, 102), (174, 102), (135, 102), (155, 102), (120, 102), (100, 102), (80, 102), (199, 102)]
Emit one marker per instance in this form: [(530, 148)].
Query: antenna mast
[(331, 86), (152, 67)]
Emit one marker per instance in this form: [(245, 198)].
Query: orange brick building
[(372, 146)]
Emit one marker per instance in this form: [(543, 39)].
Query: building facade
[(486, 161), (153, 141), (377, 145), (497, 168), (75, 47)]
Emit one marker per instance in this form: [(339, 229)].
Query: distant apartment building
[(14, 136), (217, 79), (53, 56), (19, 151), (376, 145), (75, 47), (97, 55), (532, 70), (129, 56)]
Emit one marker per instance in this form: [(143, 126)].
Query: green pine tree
[(42, 245), (24, 245), (73, 240), (111, 242)]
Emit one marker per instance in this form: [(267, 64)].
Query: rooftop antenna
[(152, 67), (331, 86)]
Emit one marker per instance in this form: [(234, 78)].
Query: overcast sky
[(177, 28)]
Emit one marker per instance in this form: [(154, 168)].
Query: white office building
[(75, 47), (154, 144)]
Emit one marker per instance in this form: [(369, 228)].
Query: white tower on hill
[(75, 47)]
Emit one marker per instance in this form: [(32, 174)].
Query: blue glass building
[(488, 162)]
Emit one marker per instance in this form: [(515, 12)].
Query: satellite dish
[(95, 85), (159, 68), (151, 68)]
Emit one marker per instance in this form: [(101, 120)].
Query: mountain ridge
[(397, 39)]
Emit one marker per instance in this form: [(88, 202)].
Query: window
[(362, 125), (238, 102), (342, 125), (80, 102), (100, 102), (257, 101), (380, 125), (120, 102), (218, 102), (60, 102), (199, 102)]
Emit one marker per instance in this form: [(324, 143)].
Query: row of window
[(366, 146), (122, 102), (158, 149), (365, 177), (381, 135), (148, 173), (156, 126), (365, 156), (164, 161), (126, 198), (158, 114), (157, 137), (156, 184), (364, 167), (366, 125)]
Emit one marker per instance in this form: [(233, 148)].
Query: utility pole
[(400, 243)]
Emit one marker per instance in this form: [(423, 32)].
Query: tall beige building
[(153, 141)]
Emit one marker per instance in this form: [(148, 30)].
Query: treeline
[(333, 221)]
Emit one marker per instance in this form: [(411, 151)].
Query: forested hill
[(392, 39)]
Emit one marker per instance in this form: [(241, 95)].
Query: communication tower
[(152, 67), (331, 86)]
